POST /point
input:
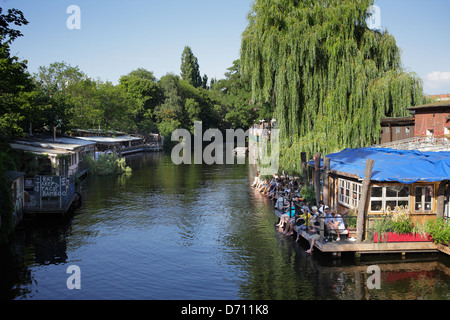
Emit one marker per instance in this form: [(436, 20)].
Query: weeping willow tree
[(328, 77)]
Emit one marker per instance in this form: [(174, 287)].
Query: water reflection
[(193, 232)]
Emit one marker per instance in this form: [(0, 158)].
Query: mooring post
[(326, 181), (322, 228), (305, 168), (317, 178), (441, 199), (362, 203)]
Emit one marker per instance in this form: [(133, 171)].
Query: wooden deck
[(345, 245)]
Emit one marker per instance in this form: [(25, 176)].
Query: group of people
[(272, 188), (294, 211)]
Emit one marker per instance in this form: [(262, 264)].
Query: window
[(73, 159), (424, 198), (349, 193), (382, 197), (397, 130), (407, 130)]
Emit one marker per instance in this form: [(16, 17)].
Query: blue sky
[(117, 37)]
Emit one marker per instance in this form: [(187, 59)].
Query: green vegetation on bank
[(327, 77), (107, 164)]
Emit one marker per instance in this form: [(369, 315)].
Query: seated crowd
[(294, 211)]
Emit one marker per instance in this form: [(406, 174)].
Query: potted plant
[(381, 228), (439, 231), (402, 227)]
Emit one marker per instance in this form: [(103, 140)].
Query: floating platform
[(139, 149), (49, 208), (347, 246)]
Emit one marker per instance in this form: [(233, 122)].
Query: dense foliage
[(107, 164), (328, 78), (14, 87)]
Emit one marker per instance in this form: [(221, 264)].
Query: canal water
[(193, 232)]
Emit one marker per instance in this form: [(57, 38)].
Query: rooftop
[(404, 166), (440, 104), (124, 138), (37, 149), (63, 143)]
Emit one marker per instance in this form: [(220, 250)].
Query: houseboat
[(65, 154), (413, 180)]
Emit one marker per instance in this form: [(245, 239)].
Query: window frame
[(423, 198), (384, 198), (351, 188)]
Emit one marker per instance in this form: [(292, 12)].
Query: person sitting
[(274, 190), (272, 186), (327, 217), (294, 217), (281, 205), (314, 221), (321, 207), (289, 212), (312, 241), (336, 223), (257, 180)]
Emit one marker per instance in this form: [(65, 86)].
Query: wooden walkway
[(345, 245)]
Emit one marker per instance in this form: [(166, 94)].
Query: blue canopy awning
[(404, 166)]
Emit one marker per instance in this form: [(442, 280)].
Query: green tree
[(169, 114), (235, 93), (190, 70), (85, 106), (328, 77), (15, 81), (143, 94), (14, 16), (57, 82), (205, 82)]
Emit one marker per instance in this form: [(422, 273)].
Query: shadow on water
[(193, 232)]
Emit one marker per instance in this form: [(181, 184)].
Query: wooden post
[(60, 193), (326, 181), (322, 227), (40, 192), (317, 178), (362, 203), (305, 168), (441, 199)]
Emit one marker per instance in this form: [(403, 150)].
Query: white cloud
[(437, 82)]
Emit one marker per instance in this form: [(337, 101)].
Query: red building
[(432, 120)]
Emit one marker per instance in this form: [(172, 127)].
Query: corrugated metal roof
[(60, 143), (39, 149), (111, 139)]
